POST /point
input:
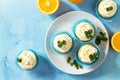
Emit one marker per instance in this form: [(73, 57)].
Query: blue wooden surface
[(22, 26)]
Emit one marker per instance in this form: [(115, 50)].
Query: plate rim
[(46, 35)]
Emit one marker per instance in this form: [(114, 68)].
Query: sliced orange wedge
[(48, 6), (116, 41), (76, 1)]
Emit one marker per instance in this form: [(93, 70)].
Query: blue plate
[(87, 64), (84, 20), (63, 32)]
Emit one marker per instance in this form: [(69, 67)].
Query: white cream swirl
[(28, 60), (85, 51), (102, 8), (80, 30), (65, 48)]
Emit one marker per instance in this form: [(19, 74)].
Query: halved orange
[(115, 41), (76, 1), (48, 6)]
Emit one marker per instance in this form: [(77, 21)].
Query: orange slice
[(116, 41), (48, 6), (76, 1)]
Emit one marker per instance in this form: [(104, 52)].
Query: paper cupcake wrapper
[(78, 22), (87, 64), (55, 51)]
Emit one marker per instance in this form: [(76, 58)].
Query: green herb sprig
[(73, 63), (88, 34), (19, 59), (93, 56), (61, 43), (100, 37), (109, 8)]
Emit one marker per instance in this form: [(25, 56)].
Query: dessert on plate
[(62, 42), (84, 30), (87, 53)]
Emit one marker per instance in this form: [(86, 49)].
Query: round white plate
[(64, 23)]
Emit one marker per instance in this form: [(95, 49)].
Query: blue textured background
[(22, 26)]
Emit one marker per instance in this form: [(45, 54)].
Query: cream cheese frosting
[(85, 51), (28, 60), (81, 28), (103, 8), (65, 48)]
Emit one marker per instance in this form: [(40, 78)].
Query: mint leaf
[(93, 56), (19, 59), (59, 44), (90, 31), (73, 63), (101, 37), (109, 8), (88, 34), (104, 39), (64, 42)]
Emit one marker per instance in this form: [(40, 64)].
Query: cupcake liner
[(78, 22), (55, 51), (37, 59), (87, 64), (97, 13)]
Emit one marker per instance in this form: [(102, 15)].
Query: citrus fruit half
[(76, 1), (116, 41), (48, 6)]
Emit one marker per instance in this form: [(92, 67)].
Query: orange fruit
[(48, 6), (116, 41), (76, 1)]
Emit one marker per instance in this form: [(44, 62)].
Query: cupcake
[(84, 30), (106, 8), (62, 42), (27, 60), (87, 53)]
